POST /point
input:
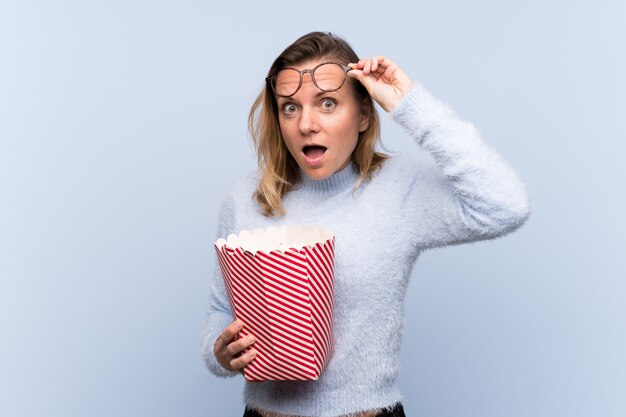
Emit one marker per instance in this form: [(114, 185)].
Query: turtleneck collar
[(340, 180)]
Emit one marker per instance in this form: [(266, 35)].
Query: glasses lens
[(329, 77), (286, 82)]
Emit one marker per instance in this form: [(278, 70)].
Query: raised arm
[(472, 194)]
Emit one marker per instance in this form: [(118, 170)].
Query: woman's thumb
[(355, 73), (358, 75)]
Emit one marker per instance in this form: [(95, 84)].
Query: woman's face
[(321, 129)]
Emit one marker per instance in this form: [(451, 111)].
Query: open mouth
[(314, 151)]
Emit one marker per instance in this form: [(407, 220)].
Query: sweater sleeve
[(471, 194), (219, 312)]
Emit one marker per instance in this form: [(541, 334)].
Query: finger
[(384, 62), (235, 347), (375, 64), (357, 74), (356, 65), (228, 334), (363, 76), (366, 80), (243, 360), (376, 74)]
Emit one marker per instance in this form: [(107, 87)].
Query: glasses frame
[(311, 71)]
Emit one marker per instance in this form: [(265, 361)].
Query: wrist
[(403, 90)]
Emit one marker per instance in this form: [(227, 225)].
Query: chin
[(317, 174)]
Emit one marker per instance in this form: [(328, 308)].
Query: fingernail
[(252, 353), (250, 339), (239, 324)]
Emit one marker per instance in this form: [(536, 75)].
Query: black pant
[(397, 411)]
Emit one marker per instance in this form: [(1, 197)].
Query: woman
[(315, 129)]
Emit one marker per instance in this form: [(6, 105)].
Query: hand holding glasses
[(384, 80)]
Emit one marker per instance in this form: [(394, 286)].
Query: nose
[(308, 122)]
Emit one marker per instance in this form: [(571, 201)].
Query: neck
[(339, 181)]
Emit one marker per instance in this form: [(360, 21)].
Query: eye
[(289, 108), (328, 104)]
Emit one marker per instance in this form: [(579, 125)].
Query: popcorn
[(280, 284)]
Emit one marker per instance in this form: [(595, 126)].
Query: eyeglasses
[(327, 76)]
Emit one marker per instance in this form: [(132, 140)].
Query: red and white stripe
[(285, 299)]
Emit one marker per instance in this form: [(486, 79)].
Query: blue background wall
[(121, 123)]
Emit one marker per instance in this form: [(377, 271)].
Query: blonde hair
[(278, 170)]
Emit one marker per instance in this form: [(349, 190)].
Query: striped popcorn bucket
[(280, 284)]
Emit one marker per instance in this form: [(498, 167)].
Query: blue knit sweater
[(469, 193)]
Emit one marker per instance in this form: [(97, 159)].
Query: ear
[(365, 111)]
